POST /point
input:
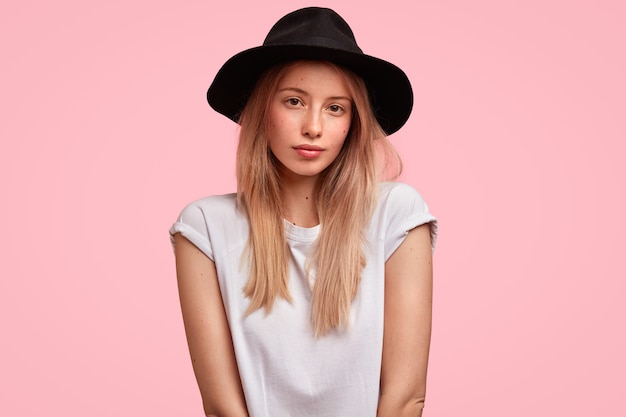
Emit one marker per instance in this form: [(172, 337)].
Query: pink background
[(517, 141)]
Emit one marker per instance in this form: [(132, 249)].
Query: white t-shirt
[(284, 369)]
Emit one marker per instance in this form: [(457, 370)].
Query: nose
[(312, 125)]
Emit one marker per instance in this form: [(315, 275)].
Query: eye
[(335, 108), (293, 101)]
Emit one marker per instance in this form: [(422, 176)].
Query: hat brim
[(389, 88)]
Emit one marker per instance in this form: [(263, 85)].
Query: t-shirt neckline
[(300, 234)]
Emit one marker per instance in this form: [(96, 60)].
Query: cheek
[(274, 126), (275, 117), (345, 128)]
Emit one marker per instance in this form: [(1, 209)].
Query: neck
[(299, 201)]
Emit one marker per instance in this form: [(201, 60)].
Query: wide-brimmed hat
[(313, 33)]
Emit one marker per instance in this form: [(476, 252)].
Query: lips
[(308, 151)]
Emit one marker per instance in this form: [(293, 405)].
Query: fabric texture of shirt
[(285, 370)]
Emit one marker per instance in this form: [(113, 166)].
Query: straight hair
[(346, 197)]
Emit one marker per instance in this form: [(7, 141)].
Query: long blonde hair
[(345, 202)]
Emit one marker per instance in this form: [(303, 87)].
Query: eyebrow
[(301, 91)]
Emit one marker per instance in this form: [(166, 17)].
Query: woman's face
[(309, 118)]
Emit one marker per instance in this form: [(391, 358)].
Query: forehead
[(314, 76)]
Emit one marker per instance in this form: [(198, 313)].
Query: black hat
[(313, 33)]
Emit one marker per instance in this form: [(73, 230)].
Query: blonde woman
[(309, 291)]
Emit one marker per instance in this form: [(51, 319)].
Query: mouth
[(308, 151)]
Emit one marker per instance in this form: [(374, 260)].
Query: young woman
[(308, 293)]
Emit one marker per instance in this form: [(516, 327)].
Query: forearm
[(228, 413), (224, 398), (389, 406), (228, 406)]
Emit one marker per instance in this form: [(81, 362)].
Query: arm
[(406, 340), (208, 334)]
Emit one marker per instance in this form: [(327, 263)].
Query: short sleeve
[(192, 224), (404, 210)]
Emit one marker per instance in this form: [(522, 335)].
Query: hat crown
[(313, 26), (313, 33)]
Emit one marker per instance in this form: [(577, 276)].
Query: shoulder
[(209, 222), (398, 196), (400, 209), (212, 207)]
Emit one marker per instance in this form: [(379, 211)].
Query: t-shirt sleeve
[(405, 210), (192, 224)]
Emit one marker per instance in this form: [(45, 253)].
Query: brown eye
[(293, 101), (335, 108)]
